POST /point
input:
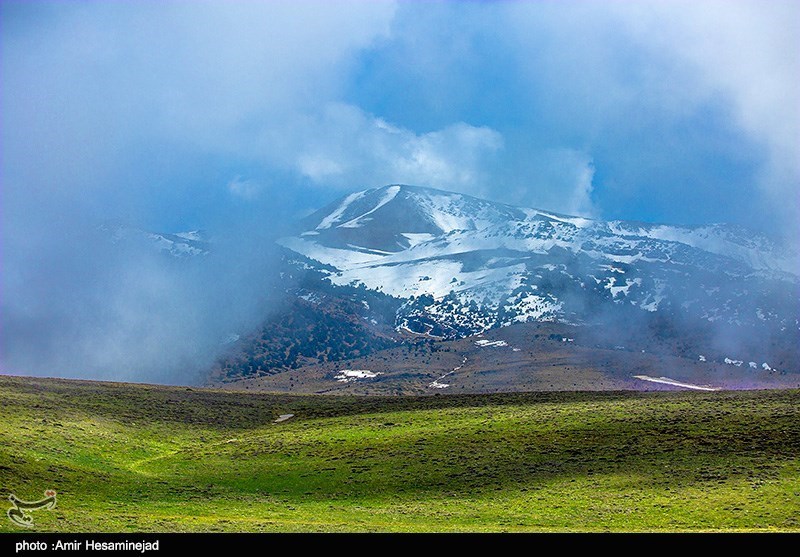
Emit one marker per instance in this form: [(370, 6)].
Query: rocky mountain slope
[(464, 265), (381, 276)]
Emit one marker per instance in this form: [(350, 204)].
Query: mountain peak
[(185, 244), (394, 217), (454, 251), (397, 217)]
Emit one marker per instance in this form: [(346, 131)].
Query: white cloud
[(622, 70), (88, 86), (618, 64), (747, 53), (580, 202), (346, 147), (452, 157), (559, 179), (318, 167), (246, 189), (254, 63), (251, 81)]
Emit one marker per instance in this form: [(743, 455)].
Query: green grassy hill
[(133, 457)]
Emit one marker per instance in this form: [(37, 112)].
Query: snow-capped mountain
[(462, 265), (180, 245)]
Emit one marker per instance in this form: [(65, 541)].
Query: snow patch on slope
[(674, 383), (194, 235), (484, 343), (336, 215), (416, 238), (337, 257), (350, 375), (390, 194)]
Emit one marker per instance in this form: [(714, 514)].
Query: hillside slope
[(372, 275), (464, 265), (142, 458)]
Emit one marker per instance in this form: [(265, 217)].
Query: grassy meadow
[(126, 457)]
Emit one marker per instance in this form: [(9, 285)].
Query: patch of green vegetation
[(134, 457)]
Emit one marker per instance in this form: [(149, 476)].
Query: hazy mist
[(241, 117)]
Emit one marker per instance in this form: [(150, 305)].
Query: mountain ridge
[(705, 235), (443, 252), (383, 269)]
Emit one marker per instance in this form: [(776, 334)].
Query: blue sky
[(199, 114)]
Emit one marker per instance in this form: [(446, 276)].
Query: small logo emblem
[(19, 513)]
